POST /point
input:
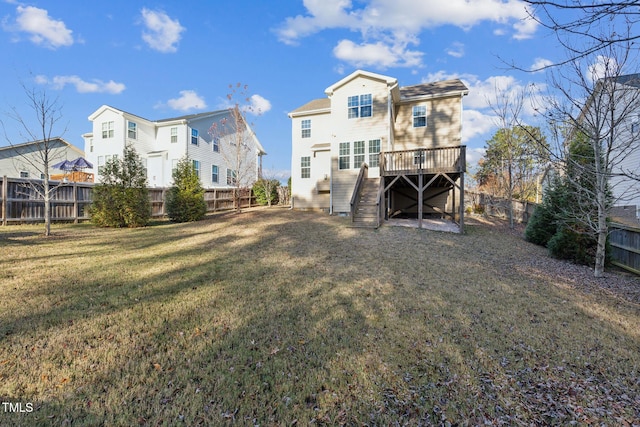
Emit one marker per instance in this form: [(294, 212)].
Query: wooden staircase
[(367, 209)]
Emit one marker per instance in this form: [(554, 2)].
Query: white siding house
[(162, 143), (367, 118), (26, 161)]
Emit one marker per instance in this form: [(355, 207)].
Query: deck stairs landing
[(366, 213)]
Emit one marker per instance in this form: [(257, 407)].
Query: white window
[(132, 130), (107, 130), (232, 177), (24, 174), (306, 128), (174, 134), (305, 167), (216, 144), (358, 154), (360, 106), (196, 166), (419, 116), (214, 173), (91, 145), (194, 136), (344, 158), (374, 153)]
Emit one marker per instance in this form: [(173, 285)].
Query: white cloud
[(603, 67), (82, 86), (391, 25), (188, 100), (456, 50), (378, 54), (539, 64), (162, 33), (42, 29), (259, 105)]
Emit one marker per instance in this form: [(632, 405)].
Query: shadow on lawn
[(304, 320)]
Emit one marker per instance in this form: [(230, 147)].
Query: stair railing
[(355, 197)]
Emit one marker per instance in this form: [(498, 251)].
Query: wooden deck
[(423, 161), (424, 168)]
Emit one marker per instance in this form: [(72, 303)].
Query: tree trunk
[(603, 231), (47, 204)]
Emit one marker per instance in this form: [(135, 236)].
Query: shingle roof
[(316, 104), (629, 80), (432, 89)]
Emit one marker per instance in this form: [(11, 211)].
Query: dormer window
[(360, 106)]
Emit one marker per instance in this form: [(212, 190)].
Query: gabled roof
[(629, 80), (433, 90), (390, 81), (315, 106), (180, 118), (32, 146)]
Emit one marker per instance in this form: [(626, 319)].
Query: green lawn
[(275, 317)]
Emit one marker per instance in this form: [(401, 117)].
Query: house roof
[(629, 80), (316, 105), (27, 147), (390, 81), (434, 89), (179, 118)]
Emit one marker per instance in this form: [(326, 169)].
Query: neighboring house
[(27, 160), (613, 111), (403, 142), (162, 143)]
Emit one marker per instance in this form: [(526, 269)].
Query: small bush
[(541, 226), (122, 199), (266, 191), (185, 199)]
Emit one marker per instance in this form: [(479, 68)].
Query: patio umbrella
[(73, 165), (65, 165), (81, 163)]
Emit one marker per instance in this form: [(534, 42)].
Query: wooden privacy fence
[(499, 207), (625, 246), (21, 202)]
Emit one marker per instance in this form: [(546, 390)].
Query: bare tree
[(598, 102), (48, 113), (599, 25), (238, 142), (514, 152)]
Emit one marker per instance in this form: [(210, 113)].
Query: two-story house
[(376, 150), (162, 143), (27, 160)]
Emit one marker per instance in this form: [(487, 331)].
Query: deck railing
[(362, 175), (423, 160)]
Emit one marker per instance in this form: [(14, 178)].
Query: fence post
[(75, 203), (4, 200)]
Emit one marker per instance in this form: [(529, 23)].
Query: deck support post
[(420, 196), (462, 202)]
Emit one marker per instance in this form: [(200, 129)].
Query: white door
[(155, 168)]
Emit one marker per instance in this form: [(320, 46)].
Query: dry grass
[(274, 317)]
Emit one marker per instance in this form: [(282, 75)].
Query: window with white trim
[(305, 167), (194, 136), (358, 154), (232, 177), (107, 130), (216, 144), (419, 116), (214, 174), (132, 130), (306, 128), (174, 134), (360, 106), (196, 166), (344, 155), (374, 153)]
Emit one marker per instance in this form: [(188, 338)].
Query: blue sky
[(165, 59)]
